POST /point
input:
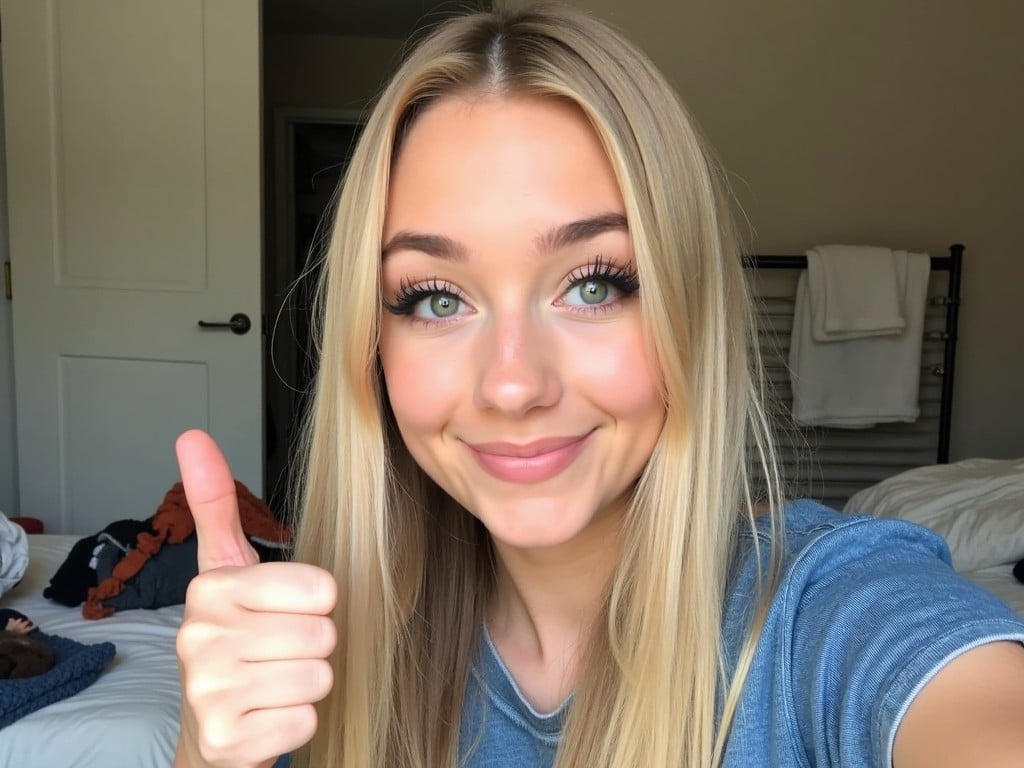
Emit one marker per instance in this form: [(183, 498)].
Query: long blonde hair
[(415, 571)]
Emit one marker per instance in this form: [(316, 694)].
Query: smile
[(532, 462)]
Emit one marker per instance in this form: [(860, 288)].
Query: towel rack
[(948, 307)]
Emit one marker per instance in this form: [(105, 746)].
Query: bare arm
[(970, 714)]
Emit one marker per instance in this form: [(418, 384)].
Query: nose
[(518, 367)]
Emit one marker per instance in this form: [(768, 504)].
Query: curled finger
[(258, 738)]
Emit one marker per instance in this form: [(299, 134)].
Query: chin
[(534, 523)]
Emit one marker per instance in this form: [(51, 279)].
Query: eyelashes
[(411, 295), (435, 300), (623, 278)]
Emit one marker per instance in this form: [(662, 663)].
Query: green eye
[(444, 305), (593, 292)]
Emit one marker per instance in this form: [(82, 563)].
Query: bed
[(129, 715), (976, 505)]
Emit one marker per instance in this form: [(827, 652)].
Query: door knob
[(239, 323)]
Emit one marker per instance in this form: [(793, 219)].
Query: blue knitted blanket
[(77, 666)]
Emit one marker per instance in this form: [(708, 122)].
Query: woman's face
[(512, 344)]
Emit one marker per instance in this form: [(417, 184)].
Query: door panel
[(100, 397), (133, 145)]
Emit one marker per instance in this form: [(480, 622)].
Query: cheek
[(619, 375), (421, 383)]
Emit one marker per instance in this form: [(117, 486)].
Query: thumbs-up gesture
[(255, 638)]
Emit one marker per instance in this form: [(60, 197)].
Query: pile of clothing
[(149, 563)]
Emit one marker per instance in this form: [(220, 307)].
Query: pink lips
[(530, 462)]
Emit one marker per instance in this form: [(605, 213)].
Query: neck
[(547, 602)]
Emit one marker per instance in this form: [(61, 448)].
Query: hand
[(21, 626), (253, 645)]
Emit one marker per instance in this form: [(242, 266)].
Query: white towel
[(854, 292), (871, 379)]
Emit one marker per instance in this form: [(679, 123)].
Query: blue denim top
[(867, 612)]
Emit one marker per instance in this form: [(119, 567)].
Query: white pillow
[(977, 505), (13, 553)]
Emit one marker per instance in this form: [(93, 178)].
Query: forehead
[(499, 157)]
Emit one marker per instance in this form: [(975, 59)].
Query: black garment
[(74, 578)]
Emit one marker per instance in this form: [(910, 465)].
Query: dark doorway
[(312, 157)]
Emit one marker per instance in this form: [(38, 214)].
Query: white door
[(133, 162)]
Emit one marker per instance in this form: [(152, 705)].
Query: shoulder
[(812, 541), (806, 524), (864, 612), (837, 571)]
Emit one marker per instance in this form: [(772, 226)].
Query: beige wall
[(893, 122), (890, 122)]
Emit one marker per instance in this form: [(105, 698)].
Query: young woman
[(530, 533)]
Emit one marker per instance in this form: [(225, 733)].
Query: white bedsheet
[(129, 716), (1000, 580)]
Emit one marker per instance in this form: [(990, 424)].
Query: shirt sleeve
[(874, 611)]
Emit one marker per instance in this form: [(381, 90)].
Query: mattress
[(129, 715), (1000, 580)]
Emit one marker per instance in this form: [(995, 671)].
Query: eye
[(600, 284), (590, 293), (428, 302), (437, 305)]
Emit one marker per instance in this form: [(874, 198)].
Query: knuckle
[(193, 693), (210, 588), (199, 590), (201, 646), (208, 691), (193, 637), (219, 734), (218, 740)]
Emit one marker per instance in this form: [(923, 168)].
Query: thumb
[(210, 490)]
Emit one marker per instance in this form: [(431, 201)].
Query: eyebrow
[(582, 230), (434, 245), (559, 237)]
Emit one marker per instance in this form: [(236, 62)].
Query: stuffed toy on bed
[(42, 668), (22, 656)]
